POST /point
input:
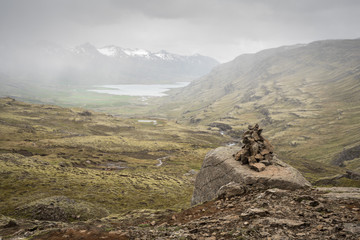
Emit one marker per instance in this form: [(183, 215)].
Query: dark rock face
[(346, 155), (221, 126), (352, 175), (85, 113), (220, 168), (334, 180)]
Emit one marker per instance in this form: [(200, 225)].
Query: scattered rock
[(278, 222), (191, 172), (258, 214), (195, 120), (294, 143), (10, 224), (277, 192), (62, 164), (352, 227), (254, 212), (231, 189), (85, 114), (259, 167)]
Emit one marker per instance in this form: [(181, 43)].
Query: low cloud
[(222, 29)]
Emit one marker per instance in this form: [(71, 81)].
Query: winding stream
[(160, 161)]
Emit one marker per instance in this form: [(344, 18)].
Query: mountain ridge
[(86, 64), (308, 98), (115, 51)]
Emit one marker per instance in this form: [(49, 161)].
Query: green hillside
[(307, 97), (116, 164)]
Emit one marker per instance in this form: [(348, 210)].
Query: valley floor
[(70, 173), (95, 159)]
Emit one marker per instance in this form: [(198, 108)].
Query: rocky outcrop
[(220, 168), (340, 192), (346, 155), (221, 126), (335, 179), (230, 190), (259, 214), (61, 208)]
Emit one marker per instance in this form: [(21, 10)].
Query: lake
[(145, 90)]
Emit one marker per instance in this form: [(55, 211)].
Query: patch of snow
[(160, 163), (164, 55), (108, 51), (231, 144), (148, 121), (160, 160), (137, 52)]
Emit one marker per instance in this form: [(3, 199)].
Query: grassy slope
[(77, 156), (307, 98)]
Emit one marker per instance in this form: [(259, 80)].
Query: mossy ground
[(104, 160)]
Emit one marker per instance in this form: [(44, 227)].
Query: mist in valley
[(158, 119), (61, 46)]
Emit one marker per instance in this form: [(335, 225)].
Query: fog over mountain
[(216, 28), (179, 119), (86, 64)]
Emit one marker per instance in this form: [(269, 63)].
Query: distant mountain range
[(307, 97), (86, 64)]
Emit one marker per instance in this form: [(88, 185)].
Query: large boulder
[(220, 168)]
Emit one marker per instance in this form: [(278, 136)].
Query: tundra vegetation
[(305, 97), (96, 159)]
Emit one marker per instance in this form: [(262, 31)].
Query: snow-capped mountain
[(87, 64), (86, 49), (114, 51)]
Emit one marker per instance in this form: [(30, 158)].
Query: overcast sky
[(222, 29)]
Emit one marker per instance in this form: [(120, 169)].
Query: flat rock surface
[(220, 168)]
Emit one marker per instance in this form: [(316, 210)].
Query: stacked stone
[(256, 151)]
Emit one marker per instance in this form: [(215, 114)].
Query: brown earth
[(327, 213)]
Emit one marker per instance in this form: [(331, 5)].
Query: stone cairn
[(256, 151)]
